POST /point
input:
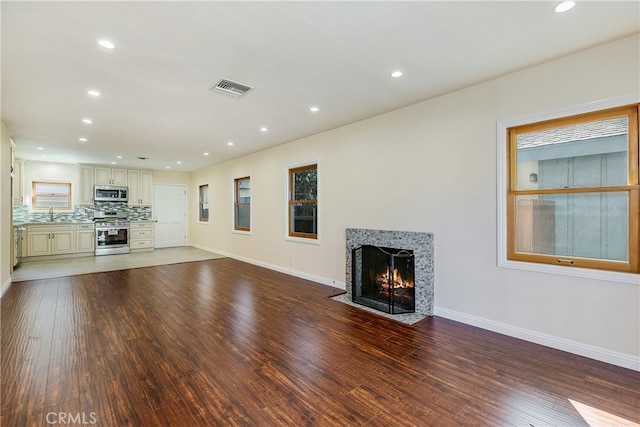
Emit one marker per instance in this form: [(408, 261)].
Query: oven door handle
[(111, 228)]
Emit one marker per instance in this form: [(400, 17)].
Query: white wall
[(432, 167), (51, 172), (6, 230), (166, 177)]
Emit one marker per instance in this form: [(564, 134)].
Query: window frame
[(592, 268), (202, 202), (237, 203), (293, 235), (67, 197)]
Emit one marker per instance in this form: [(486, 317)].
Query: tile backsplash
[(21, 213)]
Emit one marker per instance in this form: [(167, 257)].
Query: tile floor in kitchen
[(44, 269)]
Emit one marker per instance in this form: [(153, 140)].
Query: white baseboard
[(300, 274), (5, 287), (598, 353)]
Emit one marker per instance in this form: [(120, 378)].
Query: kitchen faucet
[(51, 213)]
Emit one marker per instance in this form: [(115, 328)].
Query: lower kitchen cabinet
[(85, 238), (50, 239), (141, 236), (18, 244)]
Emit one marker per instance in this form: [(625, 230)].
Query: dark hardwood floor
[(222, 342)]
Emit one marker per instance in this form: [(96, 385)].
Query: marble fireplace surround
[(422, 246)]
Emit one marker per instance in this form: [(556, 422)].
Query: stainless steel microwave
[(110, 193)]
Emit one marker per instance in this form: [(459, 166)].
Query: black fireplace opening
[(383, 279)]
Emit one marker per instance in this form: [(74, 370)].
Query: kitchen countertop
[(23, 224)]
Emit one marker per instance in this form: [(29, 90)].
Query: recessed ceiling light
[(118, 157), (167, 167), (206, 154), (40, 148), (93, 92), (113, 163), (87, 121), (564, 6), (263, 129), (396, 74), (82, 139), (106, 44), (179, 162), (314, 109), (230, 144)]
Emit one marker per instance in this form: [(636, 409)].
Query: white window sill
[(302, 240), (586, 273)]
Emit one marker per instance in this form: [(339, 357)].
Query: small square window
[(47, 195)]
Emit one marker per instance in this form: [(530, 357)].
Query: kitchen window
[(242, 204), (203, 203), (572, 191), (303, 202), (50, 195)]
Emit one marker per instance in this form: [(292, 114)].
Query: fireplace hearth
[(398, 244), (383, 278)]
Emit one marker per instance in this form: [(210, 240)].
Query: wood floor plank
[(222, 342), (62, 378), (24, 391)]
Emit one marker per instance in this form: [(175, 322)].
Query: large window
[(242, 204), (203, 203), (51, 195), (303, 202), (573, 194)]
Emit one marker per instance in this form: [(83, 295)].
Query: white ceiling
[(156, 100)]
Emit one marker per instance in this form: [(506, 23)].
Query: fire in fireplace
[(383, 279)]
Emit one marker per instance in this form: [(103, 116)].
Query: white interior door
[(170, 213)]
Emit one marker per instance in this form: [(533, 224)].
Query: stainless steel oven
[(112, 233)]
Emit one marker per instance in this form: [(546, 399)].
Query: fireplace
[(383, 278), (417, 244)]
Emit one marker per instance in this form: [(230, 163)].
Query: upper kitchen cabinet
[(17, 167), (18, 187), (86, 186), (109, 176), (139, 188)]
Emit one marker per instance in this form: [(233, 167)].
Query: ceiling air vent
[(231, 88)]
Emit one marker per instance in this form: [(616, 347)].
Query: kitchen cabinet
[(85, 238), (110, 176), (17, 244), (15, 247), (140, 188), (141, 237), (50, 239), (18, 187), (86, 185)]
